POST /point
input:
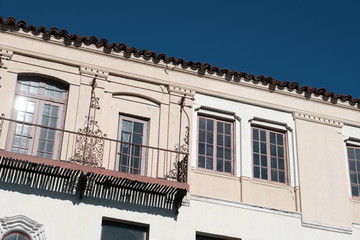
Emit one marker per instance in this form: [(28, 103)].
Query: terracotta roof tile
[(197, 65)]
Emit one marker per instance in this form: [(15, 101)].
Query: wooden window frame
[(268, 154), (214, 155), (40, 100), (356, 160), (146, 124)]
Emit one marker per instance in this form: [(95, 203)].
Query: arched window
[(38, 100), (16, 236)]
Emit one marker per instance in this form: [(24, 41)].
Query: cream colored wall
[(156, 91), (323, 174)]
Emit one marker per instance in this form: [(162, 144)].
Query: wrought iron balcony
[(93, 164)]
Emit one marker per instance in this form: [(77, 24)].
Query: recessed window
[(16, 236), (269, 155), (123, 231), (37, 101), (215, 144), (354, 168), (131, 154)]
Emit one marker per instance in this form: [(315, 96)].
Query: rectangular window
[(131, 153), (123, 231), (354, 168), (215, 145), (269, 155)]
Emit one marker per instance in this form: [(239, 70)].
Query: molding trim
[(181, 90), (352, 141), (270, 123), (22, 224), (6, 53), (316, 119), (245, 206), (93, 72), (326, 227)]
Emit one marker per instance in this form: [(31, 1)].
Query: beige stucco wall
[(138, 87), (323, 174)]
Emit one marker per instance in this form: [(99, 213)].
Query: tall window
[(123, 231), (131, 154), (215, 145), (37, 101), (354, 168), (269, 155)]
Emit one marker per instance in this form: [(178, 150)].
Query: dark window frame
[(126, 224)]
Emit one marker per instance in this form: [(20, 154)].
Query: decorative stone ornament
[(23, 224)]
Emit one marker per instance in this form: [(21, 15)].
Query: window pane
[(127, 126), (209, 137), (220, 127), (255, 134), (119, 231), (264, 174), (274, 176), (256, 172), (201, 161), (228, 166), (209, 163), (351, 152), (263, 160), (282, 177), (219, 165), (210, 125), (280, 139), (255, 146), (355, 190), (256, 159), (202, 148), (202, 123), (227, 128), (262, 135), (138, 127), (272, 137), (202, 136), (227, 141)]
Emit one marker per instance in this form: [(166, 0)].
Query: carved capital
[(316, 119), (92, 72)]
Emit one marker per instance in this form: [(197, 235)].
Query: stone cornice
[(317, 119)]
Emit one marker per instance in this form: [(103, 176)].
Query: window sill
[(355, 200), (271, 184), (215, 174)]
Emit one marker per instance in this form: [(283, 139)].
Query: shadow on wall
[(71, 185)]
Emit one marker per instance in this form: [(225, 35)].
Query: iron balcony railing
[(90, 147)]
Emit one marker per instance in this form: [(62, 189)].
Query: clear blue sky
[(315, 43)]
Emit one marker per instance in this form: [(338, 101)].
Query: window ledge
[(271, 184), (215, 174), (355, 200)]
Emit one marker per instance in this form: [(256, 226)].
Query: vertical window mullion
[(268, 155), (215, 146)]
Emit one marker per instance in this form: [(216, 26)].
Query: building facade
[(102, 141)]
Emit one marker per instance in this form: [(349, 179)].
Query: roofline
[(11, 22)]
